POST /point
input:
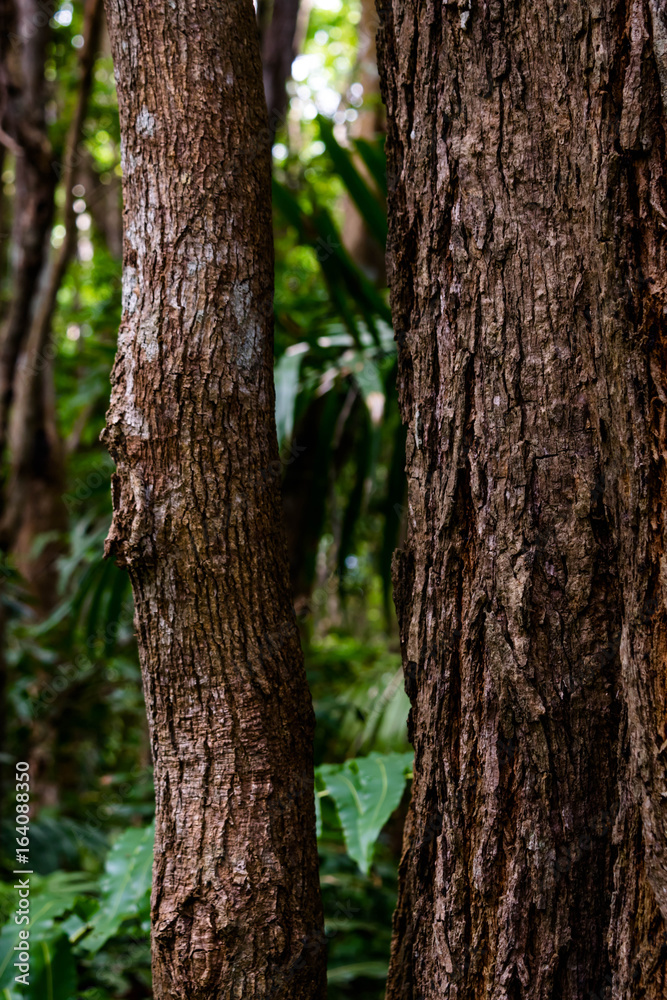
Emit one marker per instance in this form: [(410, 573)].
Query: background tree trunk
[(236, 904), (23, 44), (24, 38), (362, 245), (528, 268), (278, 23), (34, 506), (31, 497)]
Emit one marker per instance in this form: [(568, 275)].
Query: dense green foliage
[(74, 687)]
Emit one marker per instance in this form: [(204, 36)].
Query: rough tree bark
[(528, 269), (191, 426)]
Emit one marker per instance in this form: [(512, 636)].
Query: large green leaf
[(373, 213), (372, 153), (52, 973), (50, 898), (286, 377), (366, 791), (125, 885), (53, 970), (362, 291), (349, 288)]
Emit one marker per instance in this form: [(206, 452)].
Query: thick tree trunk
[(236, 904), (528, 269)]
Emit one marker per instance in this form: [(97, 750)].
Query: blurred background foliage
[(71, 680)]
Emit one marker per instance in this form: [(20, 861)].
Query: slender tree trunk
[(24, 35), (236, 904), (34, 504), (103, 201), (362, 245), (528, 269), (278, 22)]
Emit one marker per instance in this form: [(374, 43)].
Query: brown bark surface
[(236, 904), (528, 267)]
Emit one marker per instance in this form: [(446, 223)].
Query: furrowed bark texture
[(528, 271), (236, 905)]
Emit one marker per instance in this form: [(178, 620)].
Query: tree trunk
[(31, 491), (528, 266), (236, 904), (24, 36), (34, 505), (362, 245), (278, 23)]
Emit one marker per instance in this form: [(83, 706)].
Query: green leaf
[(53, 970), (50, 898), (360, 289), (120, 586), (366, 791), (372, 153), (372, 212), (125, 885), (286, 377), (99, 592), (52, 973), (286, 203), (357, 970), (349, 288)]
